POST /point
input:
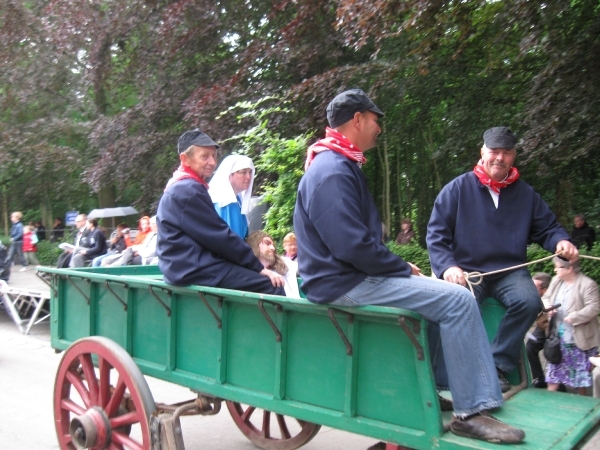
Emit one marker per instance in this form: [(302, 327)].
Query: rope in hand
[(479, 276)]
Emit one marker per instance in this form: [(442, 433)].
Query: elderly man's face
[(578, 222), (497, 161), (202, 161)]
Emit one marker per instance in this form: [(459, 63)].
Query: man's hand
[(455, 275), (567, 250), (415, 270), (276, 279)]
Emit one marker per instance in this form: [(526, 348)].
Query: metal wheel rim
[(76, 367), (262, 438)]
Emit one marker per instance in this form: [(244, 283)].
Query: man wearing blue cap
[(195, 246), (343, 261), (483, 221)]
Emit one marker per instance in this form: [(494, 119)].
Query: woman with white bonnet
[(231, 190)]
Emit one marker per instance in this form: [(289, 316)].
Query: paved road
[(27, 368)]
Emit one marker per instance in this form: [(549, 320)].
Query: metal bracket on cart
[(165, 426)]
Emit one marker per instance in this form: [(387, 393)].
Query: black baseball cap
[(194, 137), (499, 137), (343, 107)]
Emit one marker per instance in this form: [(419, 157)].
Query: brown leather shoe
[(485, 427)]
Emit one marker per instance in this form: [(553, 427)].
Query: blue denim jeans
[(518, 294), (16, 252), (473, 380)]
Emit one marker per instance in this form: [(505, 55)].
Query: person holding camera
[(577, 325), (118, 243)]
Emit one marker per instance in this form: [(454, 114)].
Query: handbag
[(552, 351)]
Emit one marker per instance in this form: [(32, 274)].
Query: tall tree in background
[(110, 85)]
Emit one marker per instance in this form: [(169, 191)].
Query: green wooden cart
[(364, 370)]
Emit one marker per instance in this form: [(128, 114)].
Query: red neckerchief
[(336, 141), (182, 173), (513, 175)]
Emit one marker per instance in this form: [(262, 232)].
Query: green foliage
[(279, 162), (412, 253), (48, 252)]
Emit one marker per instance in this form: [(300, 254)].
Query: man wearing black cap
[(483, 221), (343, 261), (195, 246)]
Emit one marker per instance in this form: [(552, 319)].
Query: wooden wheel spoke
[(117, 396), (89, 373), (75, 379), (104, 393), (285, 433), (71, 406), (126, 441), (129, 418), (266, 423), (247, 414), (81, 389)]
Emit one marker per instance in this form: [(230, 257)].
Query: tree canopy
[(94, 94)]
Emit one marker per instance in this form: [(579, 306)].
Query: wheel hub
[(91, 429)]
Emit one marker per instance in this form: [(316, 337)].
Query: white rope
[(479, 276)]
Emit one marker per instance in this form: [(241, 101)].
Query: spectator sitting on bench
[(95, 245), (79, 241), (140, 254), (118, 243)]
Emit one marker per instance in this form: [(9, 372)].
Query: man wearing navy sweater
[(344, 262), (195, 246), (483, 221)]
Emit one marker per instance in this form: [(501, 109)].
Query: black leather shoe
[(539, 383), (487, 428), (504, 384), (445, 403)]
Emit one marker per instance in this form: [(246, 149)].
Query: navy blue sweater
[(195, 246), (466, 229), (339, 230)]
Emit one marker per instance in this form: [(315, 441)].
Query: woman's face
[(145, 224), (291, 248), (240, 180), (563, 273)]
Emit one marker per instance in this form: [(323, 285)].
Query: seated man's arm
[(197, 218), (440, 236)]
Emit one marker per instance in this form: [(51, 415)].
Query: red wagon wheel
[(286, 433), (91, 410)]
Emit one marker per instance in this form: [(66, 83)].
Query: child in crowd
[(30, 241)]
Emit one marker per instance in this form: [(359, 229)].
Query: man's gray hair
[(543, 278)]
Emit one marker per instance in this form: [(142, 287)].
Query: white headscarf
[(220, 189)]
